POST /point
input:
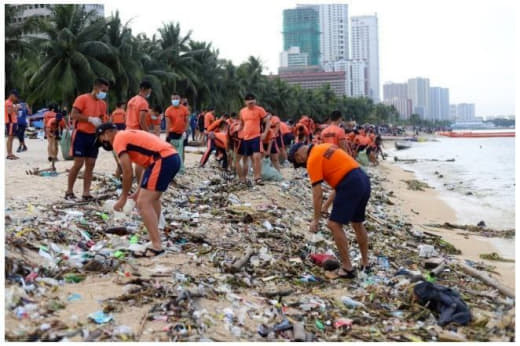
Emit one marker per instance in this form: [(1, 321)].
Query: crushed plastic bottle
[(351, 303)]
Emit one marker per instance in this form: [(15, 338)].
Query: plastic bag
[(362, 158), (65, 144), (269, 172), (178, 144)]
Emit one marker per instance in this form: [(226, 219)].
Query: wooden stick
[(486, 279), (375, 219), (241, 262)]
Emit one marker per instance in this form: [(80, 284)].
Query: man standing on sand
[(11, 122), (23, 111), (160, 162), (177, 124), (251, 117), (326, 162), (87, 113)]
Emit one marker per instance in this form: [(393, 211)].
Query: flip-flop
[(156, 253), (70, 196), (87, 198), (346, 274), (259, 181)]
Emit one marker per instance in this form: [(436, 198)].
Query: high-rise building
[(403, 106), (453, 112), (445, 104), (334, 31), (419, 93), (293, 57), (435, 104), (365, 47), (358, 86), (465, 112), (393, 90), (44, 10), (301, 29)]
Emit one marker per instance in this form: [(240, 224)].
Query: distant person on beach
[(118, 116), (54, 129), (209, 118), (160, 163), (137, 110), (176, 118), (153, 120), (200, 125), (11, 122), (87, 113), (193, 126), (251, 118), (286, 137), (326, 162), (334, 134), (218, 140), (23, 111)]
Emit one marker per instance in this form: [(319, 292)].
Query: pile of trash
[(240, 265)]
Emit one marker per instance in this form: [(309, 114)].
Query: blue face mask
[(101, 95), (176, 102)]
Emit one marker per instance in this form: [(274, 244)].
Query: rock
[(481, 224)]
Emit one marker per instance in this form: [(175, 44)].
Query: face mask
[(175, 102), (106, 145), (148, 95), (101, 95)]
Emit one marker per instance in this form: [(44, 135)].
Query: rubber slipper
[(87, 198), (70, 196), (346, 274), (259, 181), (155, 253)]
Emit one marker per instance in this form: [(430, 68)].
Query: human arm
[(317, 198), (142, 120), (126, 166), (267, 122)]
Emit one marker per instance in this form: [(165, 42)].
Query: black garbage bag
[(444, 302)]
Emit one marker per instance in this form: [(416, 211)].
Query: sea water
[(479, 185)]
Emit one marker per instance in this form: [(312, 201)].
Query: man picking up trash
[(326, 162), (160, 162)]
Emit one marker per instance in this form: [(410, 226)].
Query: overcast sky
[(466, 46)]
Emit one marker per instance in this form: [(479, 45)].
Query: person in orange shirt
[(54, 128), (287, 136), (326, 162), (200, 126), (153, 120), (273, 142), (160, 163), (137, 108), (236, 137), (118, 116), (209, 118), (88, 111), (301, 133), (217, 140), (176, 118), (11, 122), (334, 134), (251, 118)]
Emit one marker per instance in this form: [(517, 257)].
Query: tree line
[(57, 58)]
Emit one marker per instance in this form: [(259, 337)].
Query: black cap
[(14, 92), (249, 97), (292, 152), (101, 129)]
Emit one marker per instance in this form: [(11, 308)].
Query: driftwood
[(487, 280), (242, 261)]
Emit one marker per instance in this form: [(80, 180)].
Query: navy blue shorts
[(274, 147), (279, 142), (352, 194), (84, 145), (159, 174), (249, 147), (173, 135), (11, 129), (121, 126), (287, 139)]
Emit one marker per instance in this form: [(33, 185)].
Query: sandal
[(259, 181), (87, 198), (12, 157), (346, 274), (155, 253), (367, 269), (70, 196)]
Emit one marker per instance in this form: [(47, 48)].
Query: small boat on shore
[(477, 134), (403, 145)]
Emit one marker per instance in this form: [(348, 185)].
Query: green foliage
[(74, 47)]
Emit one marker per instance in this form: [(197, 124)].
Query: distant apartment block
[(301, 29), (44, 10), (403, 106), (393, 90), (465, 112), (293, 57), (315, 80), (419, 93), (365, 47)]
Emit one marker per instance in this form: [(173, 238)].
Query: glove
[(95, 121), (183, 136)]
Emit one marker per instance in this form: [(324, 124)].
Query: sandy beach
[(23, 192)]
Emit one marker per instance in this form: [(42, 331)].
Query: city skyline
[(449, 54)]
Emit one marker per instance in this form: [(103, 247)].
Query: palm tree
[(72, 55)]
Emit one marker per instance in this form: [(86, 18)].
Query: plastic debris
[(100, 317)]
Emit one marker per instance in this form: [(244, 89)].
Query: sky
[(466, 46)]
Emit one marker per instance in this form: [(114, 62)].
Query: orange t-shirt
[(13, 117), (90, 106), (333, 134), (209, 118), (234, 129), (269, 137), (362, 140), (301, 126), (52, 122), (144, 148), (252, 119), (275, 120), (221, 140), (326, 162), (47, 117), (284, 128), (133, 109), (178, 118), (351, 137), (118, 116), (153, 120), (215, 125)]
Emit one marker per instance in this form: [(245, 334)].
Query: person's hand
[(134, 196), (120, 204), (313, 226), (95, 121), (263, 137)]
